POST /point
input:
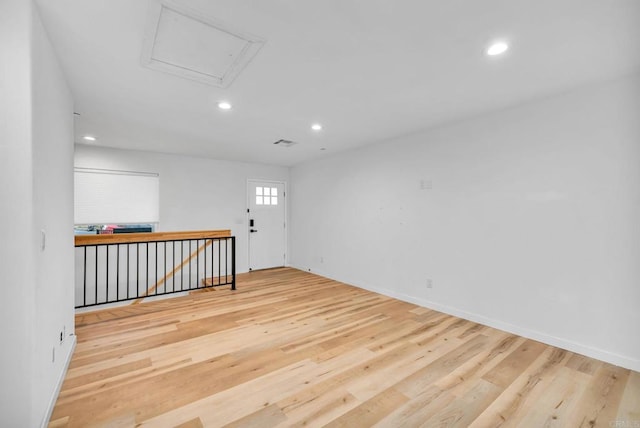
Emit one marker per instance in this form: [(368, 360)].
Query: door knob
[(253, 230)]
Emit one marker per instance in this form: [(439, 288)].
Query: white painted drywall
[(16, 256), (531, 224), (36, 154), (195, 193), (52, 145)]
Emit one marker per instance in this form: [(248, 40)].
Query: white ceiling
[(368, 70)]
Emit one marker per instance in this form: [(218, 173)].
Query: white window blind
[(115, 197)]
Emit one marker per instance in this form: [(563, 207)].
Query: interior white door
[(267, 235)]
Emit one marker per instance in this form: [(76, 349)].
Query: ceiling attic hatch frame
[(184, 42)]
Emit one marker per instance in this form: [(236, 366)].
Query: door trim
[(286, 217)]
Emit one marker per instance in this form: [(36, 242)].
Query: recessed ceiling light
[(497, 49), (316, 127), (89, 138), (223, 105)]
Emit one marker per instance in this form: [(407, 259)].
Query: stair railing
[(134, 266)]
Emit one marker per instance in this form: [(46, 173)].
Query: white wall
[(16, 258), (52, 142), (532, 223), (195, 193), (35, 169)]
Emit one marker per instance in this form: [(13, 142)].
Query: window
[(266, 195), (101, 229), (107, 197)]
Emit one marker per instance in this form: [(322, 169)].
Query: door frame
[(286, 218)]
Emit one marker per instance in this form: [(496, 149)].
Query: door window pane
[(266, 195)]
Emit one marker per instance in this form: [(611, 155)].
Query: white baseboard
[(569, 345), (63, 373)]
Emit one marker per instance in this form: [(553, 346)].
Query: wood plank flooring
[(289, 348)]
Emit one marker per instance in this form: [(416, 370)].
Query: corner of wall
[(59, 382)]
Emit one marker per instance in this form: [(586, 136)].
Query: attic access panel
[(186, 43)]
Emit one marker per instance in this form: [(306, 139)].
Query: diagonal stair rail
[(175, 270)]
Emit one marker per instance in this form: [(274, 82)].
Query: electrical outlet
[(429, 283), (321, 259)]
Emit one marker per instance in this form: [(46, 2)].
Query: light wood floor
[(289, 348)]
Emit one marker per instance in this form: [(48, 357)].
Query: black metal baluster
[(96, 295), (155, 288), (217, 240), (106, 293), (117, 272), (197, 262), (146, 289), (223, 260), (137, 269), (128, 245), (173, 262), (218, 267), (84, 287), (233, 262)]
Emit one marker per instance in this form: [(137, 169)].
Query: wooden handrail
[(125, 238)]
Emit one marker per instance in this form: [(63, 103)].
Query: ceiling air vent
[(285, 143)]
